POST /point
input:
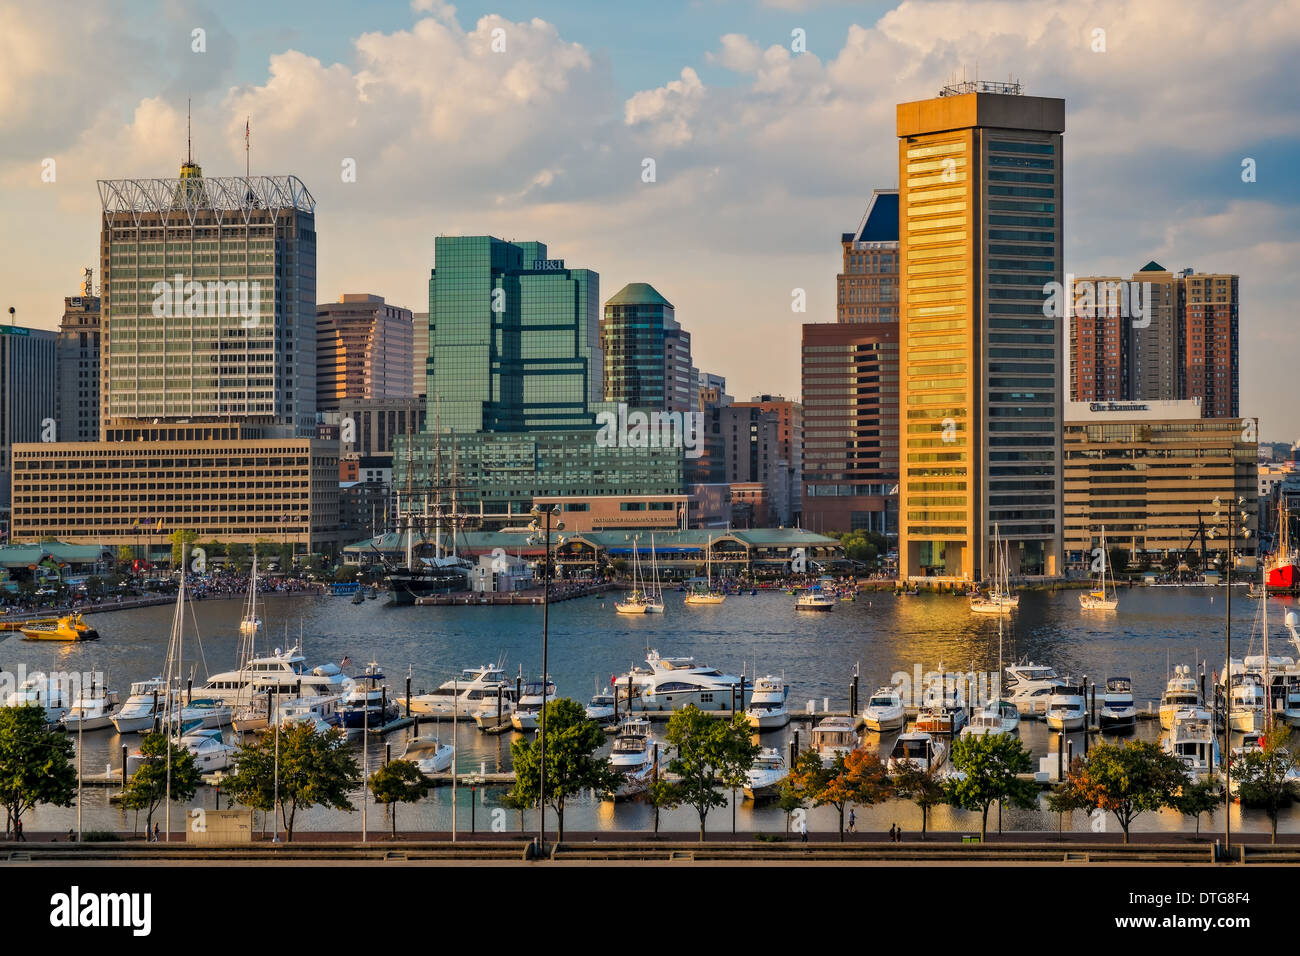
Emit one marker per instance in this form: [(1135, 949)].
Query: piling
[(408, 695)]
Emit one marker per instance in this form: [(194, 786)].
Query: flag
[(613, 679), (160, 521), (135, 523), (345, 662)]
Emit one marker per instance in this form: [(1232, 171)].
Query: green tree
[(181, 541), (1170, 563), (709, 752), (987, 766), (398, 781), (662, 795), (857, 778), (1264, 777), (315, 770), (572, 766), (1200, 796), (125, 554), (1118, 559), (1128, 779), (153, 780), (789, 800), (35, 763), (1066, 800), (236, 555), (923, 787)]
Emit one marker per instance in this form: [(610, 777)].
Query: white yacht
[(1117, 711), (429, 754), (322, 709), (1067, 710), (834, 736), (921, 750), (885, 711), (767, 709), (764, 777), (207, 711), (91, 712), (464, 696), (814, 599), (367, 704), (1192, 739), (671, 683), (601, 707), (1019, 675), (209, 749), (995, 717), (632, 756), (283, 673), (1246, 704), (530, 704), (143, 708), (941, 712), (1181, 692), (45, 692)]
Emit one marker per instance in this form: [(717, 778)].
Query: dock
[(530, 596)]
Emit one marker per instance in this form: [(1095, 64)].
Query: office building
[(420, 354), (647, 353), (78, 364), (867, 288), (763, 442), (209, 301), (28, 393), (980, 383), (1148, 472), (364, 350)]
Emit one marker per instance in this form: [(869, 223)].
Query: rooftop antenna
[(246, 159), (189, 139)]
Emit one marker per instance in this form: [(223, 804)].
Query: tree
[(923, 787), (1128, 779), (987, 765), (571, 764), (236, 555), (1118, 559), (35, 763), (154, 780), (709, 752), (662, 795), (314, 770), (789, 800), (398, 781), (1067, 799), (1200, 796), (125, 554), (1265, 776), (181, 542), (857, 777)]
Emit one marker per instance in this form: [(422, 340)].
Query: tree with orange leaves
[(856, 778)]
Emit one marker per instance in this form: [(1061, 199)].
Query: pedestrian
[(18, 831), (72, 835), (898, 837), (803, 830), (155, 833), (893, 828), (853, 822)]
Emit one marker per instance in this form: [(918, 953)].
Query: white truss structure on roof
[(234, 199)]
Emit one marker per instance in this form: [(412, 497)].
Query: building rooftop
[(638, 293), (880, 221)]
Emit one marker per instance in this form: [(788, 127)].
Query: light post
[(474, 780), (546, 514), (1236, 514)]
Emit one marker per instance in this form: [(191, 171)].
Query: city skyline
[(750, 139)]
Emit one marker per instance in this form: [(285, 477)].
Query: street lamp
[(1237, 515), (473, 781), (546, 514)]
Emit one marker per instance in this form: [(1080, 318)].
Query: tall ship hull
[(404, 586)]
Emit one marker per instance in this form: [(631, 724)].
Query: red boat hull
[(1283, 577)]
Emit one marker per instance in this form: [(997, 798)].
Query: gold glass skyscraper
[(980, 238)]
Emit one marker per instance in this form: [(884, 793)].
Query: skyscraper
[(78, 361), (364, 350), (28, 403), (209, 300), (867, 288), (647, 353), (1209, 339), (513, 341), (980, 392)]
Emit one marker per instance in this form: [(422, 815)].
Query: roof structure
[(25, 555), (227, 198), (638, 293), (880, 221), (614, 542)]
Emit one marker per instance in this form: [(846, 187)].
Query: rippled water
[(1155, 628)]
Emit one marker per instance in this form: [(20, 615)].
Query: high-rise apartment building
[(980, 392), (1209, 339), (78, 363), (762, 440), (209, 301), (364, 350), (647, 353), (513, 337), (867, 288)]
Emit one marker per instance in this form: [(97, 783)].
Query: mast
[(1268, 684), (453, 495), (410, 477), (437, 476)]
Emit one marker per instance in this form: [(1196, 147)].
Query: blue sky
[(764, 155)]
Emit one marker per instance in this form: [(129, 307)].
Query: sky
[(763, 153)]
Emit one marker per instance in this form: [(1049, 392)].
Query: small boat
[(1182, 692), (885, 711), (764, 777), (1117, 712), (366, 705), (250, 623), (1099, 599), (68, 628), (632, 756), (359, 597), (995, 717), (209, 749), (143, 708), (1000, 598), (90, 711), (1246, 704), (1193, 740), (601, 707), (429, 754), (1067, 710), (919, 749), (42, 691), (814, 599), (767, 708), (319, 709), (944, 718), (709, 595), (530, 704), (834, 736)]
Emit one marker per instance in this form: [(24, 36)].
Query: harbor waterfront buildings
[(364, 350), (1148, 472), (980, 234)]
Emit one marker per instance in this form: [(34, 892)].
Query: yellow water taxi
[(71, 628)]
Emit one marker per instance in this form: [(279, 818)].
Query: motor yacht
[(321, 709), (834, 736), (942, 712), (921, 750), (429, 754), (884, 711), (209, 749), (1067, 710), (91, 712), (767, 708), (765, 775), (1246, 704), (1019, 675), (633, 756), (530, 704), (1193, 740), (143, 708), (283, 673), (1181, 692), (995, 717), (367, 704), (814, 599), (42, 691), (1117, 712), (671, 683), (601, 707), (464, 696)]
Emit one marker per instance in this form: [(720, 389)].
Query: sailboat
[(709, 595), (636, 601), (655, 594), (999, 715), (250, 622), (1098, 599), (1000, 599)]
